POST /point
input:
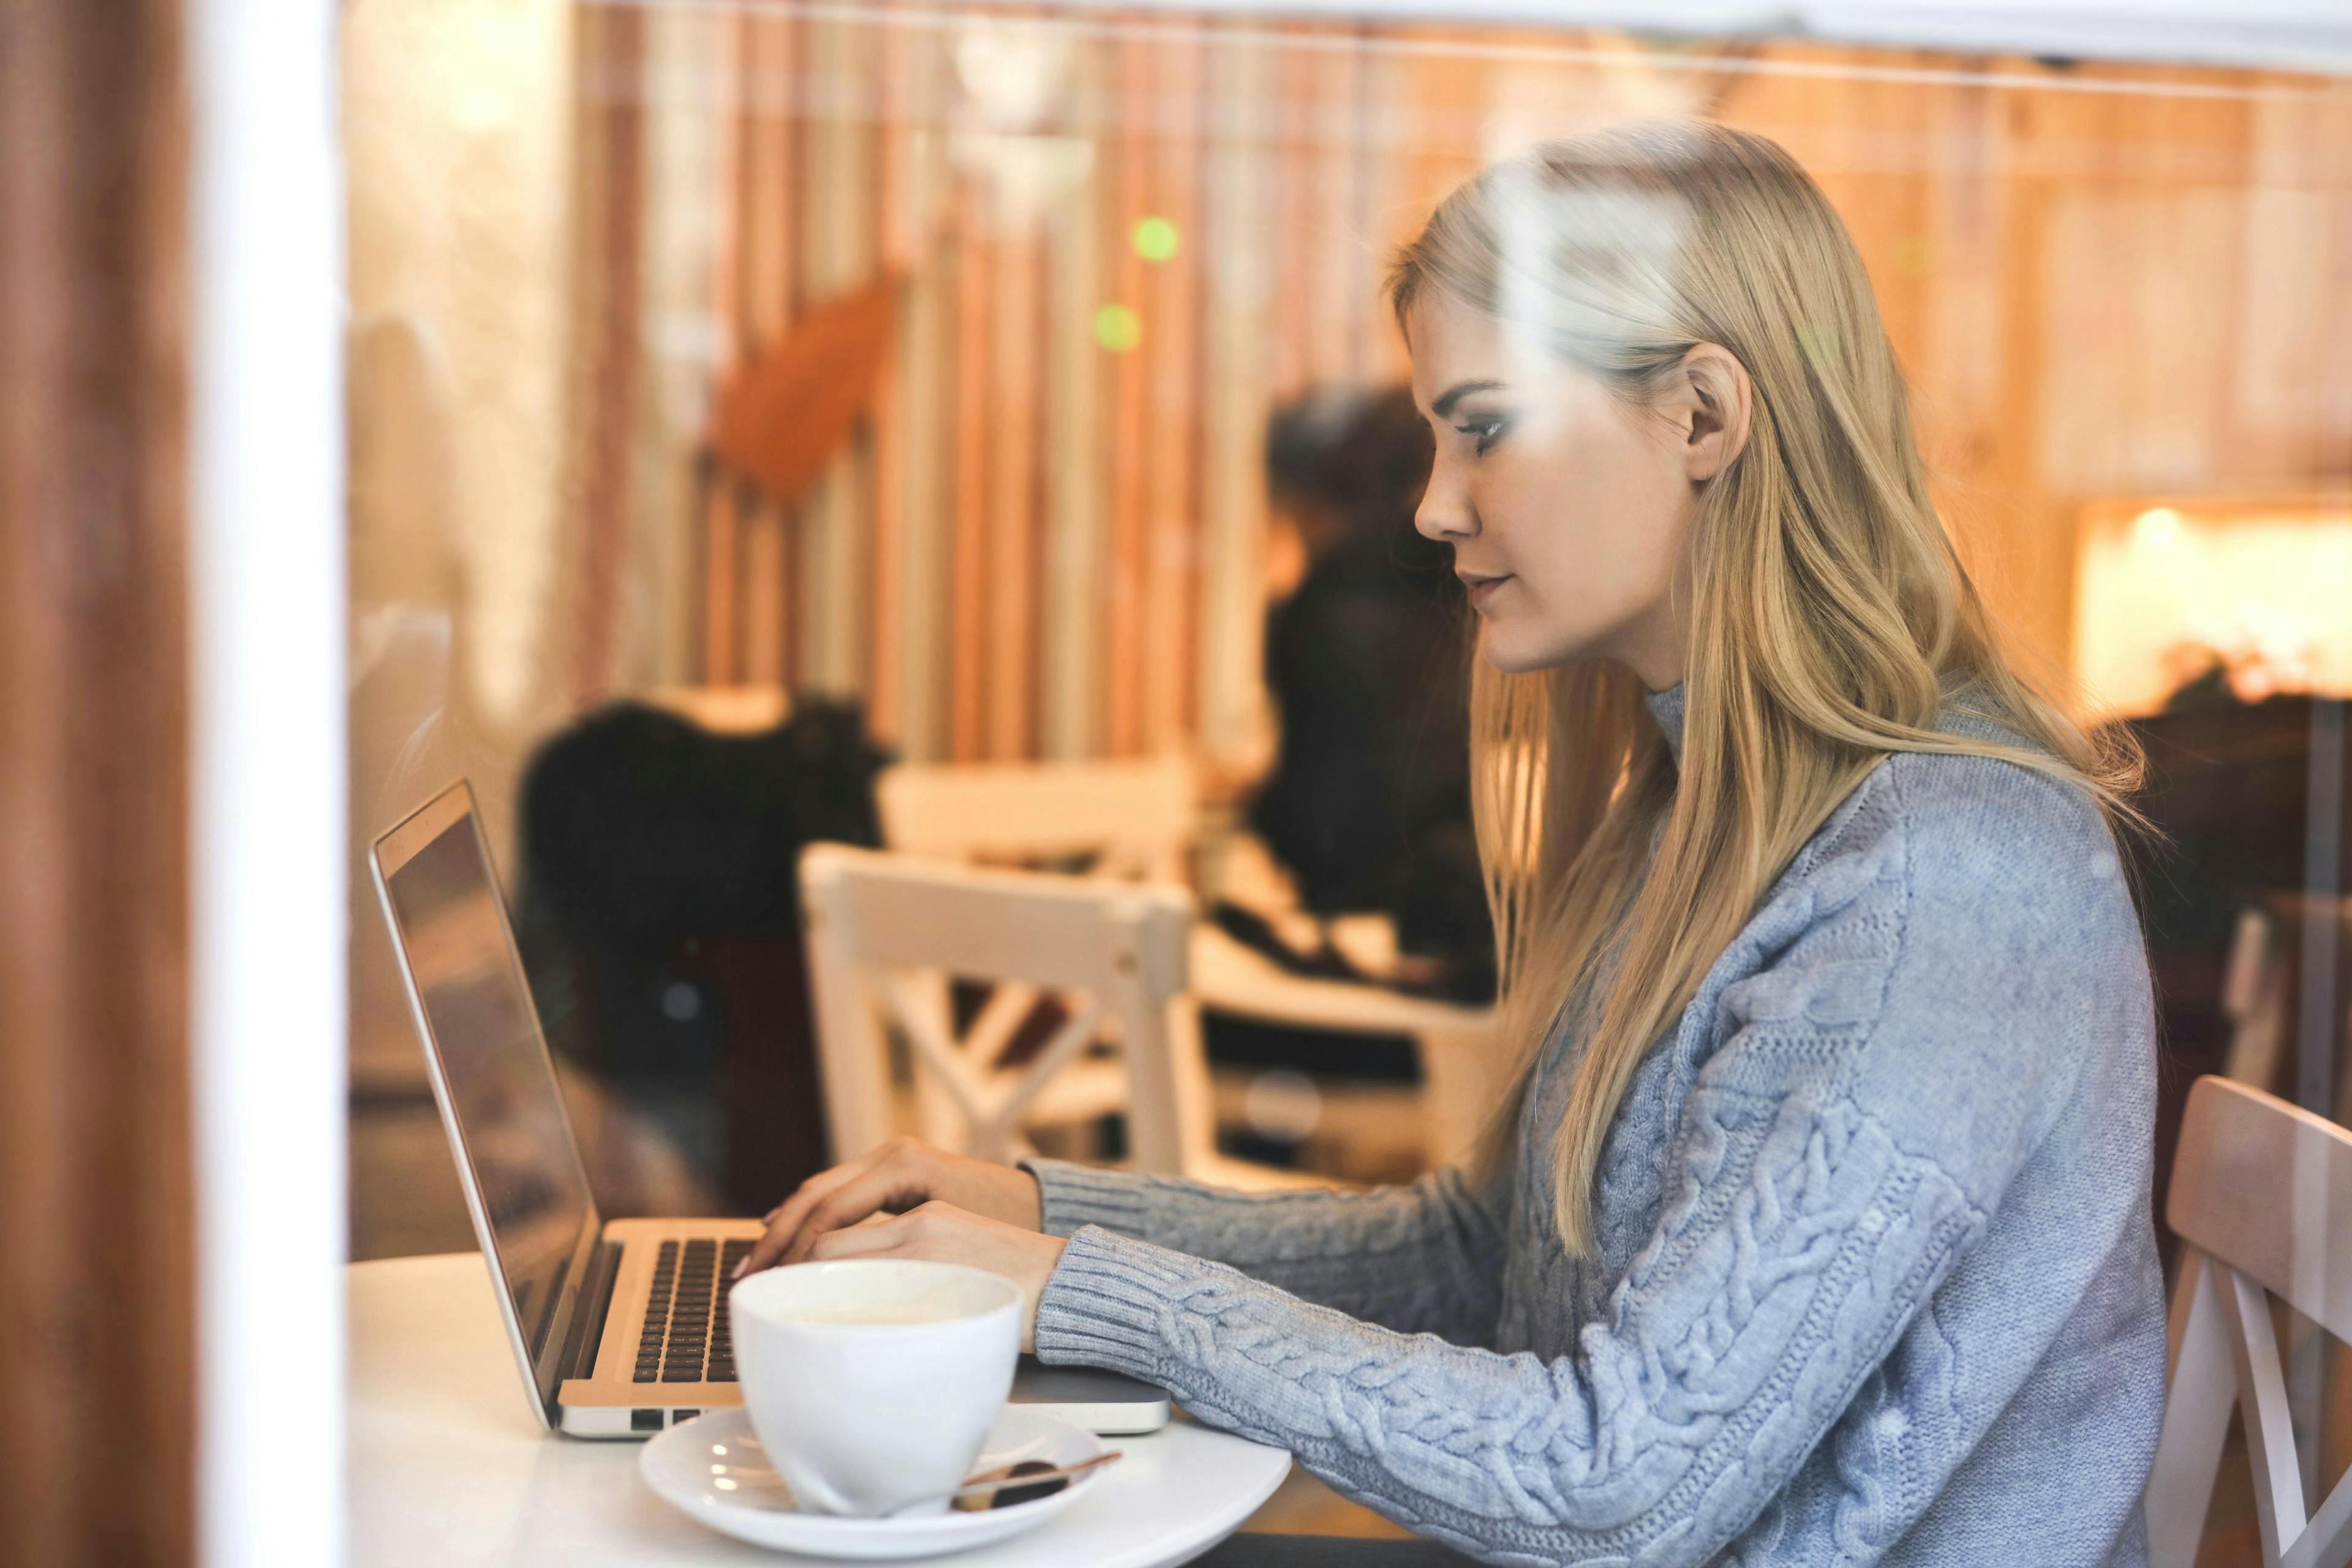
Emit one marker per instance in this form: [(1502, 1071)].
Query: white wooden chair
[(2261, 1199), (1455, 1042), (1140, 819), (889, 933), (1136, 817)]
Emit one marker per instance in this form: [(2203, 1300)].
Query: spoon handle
[(990, 1480)]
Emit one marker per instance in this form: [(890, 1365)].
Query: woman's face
[(1569, 508)]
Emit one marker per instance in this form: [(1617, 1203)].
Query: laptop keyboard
[(686, 1339)]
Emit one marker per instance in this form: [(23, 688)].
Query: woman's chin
[(1516, 655)]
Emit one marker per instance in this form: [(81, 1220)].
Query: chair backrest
[(1138, 817), (887, 933), (2261, 1191)]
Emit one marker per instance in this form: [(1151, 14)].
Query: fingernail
[(738, 1269)]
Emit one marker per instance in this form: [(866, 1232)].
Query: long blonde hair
[(1830, 619)]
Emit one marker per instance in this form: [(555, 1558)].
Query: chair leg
[(2202, 1392)]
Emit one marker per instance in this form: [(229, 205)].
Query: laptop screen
[(494, 1062)]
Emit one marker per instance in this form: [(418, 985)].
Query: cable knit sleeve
[(1903, 1017), (1425, 1258)]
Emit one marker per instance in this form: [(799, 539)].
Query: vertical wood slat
[(1012, 495), (1130, 418), (838, 252), (924, 386), (1290, 118), (769, 298), (97, 1267), (612, 41), (1231, 708), (1072, 656), (967, 610), (1171, 356), (896, 243), (721, 523)]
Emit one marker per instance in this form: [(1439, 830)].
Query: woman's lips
[(1482, 589)]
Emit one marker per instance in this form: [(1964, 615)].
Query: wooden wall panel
[(838, 250), (97, 1260), (772, 196), (970, 608), (1237, 322), (1075, 613), (1171, 354), (896, 240), (607, 295), (1016, 436), (1129, 201), (1048, 536)]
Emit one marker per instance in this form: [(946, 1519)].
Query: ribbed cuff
[(1104, 1303), (1071, 1195)]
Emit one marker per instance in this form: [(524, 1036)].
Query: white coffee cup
[(872, 1382)]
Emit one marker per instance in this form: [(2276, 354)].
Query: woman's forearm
[(1424, 1259)]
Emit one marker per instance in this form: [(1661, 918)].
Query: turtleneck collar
[(1666, 708)]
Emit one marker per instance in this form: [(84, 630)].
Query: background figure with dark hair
[(1368, 805)]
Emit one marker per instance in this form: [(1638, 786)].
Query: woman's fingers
[(893, 1185), (784, 1221), (860, 1240), (832, 1200)]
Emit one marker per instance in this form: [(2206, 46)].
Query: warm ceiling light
[(2155, 527)]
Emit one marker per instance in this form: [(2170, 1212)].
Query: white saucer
[(691, 1467)]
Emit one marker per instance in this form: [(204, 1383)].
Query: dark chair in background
[(660, 921)]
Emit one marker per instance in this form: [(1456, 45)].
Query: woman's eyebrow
[(1443, 406)]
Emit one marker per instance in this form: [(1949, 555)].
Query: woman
[(1816, 1229)]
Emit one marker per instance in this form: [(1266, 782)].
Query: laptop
[(619, 1327)]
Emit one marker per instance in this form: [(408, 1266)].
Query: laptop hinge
[(587, 1331)]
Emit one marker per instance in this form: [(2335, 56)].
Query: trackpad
[(1090, 1397)]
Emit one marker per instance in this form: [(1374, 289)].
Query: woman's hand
[(894, 1179), (942, 1232)]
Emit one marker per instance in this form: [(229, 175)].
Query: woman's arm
[(1427, 1258), (1913, 1015)]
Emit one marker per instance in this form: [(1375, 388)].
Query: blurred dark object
[(660, 919), (2229, 787), (1368, 805), (1254, 931)]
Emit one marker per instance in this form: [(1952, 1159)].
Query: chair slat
[(2266, 1185), (2196, 1418), (2263, 1407), (2327, 1541)]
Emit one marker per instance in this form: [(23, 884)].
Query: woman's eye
[(1488, 431)]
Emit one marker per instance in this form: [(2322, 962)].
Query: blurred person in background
[(1367, 802), (1815, 1226)]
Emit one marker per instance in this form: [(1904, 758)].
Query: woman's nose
[(1445, 513)]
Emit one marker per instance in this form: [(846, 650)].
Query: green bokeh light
[(1117, 328), (1155, 238)]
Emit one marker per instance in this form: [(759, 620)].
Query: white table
[(448, 1468)]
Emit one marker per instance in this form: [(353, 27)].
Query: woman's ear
[(1711, 407)]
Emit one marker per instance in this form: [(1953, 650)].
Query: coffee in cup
[(872, 1382)]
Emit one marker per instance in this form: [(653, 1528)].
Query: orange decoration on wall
[(781, 417)]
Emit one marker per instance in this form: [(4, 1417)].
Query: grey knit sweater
[(1876, 1278)]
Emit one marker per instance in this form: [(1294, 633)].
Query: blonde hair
[(1830, 619)]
